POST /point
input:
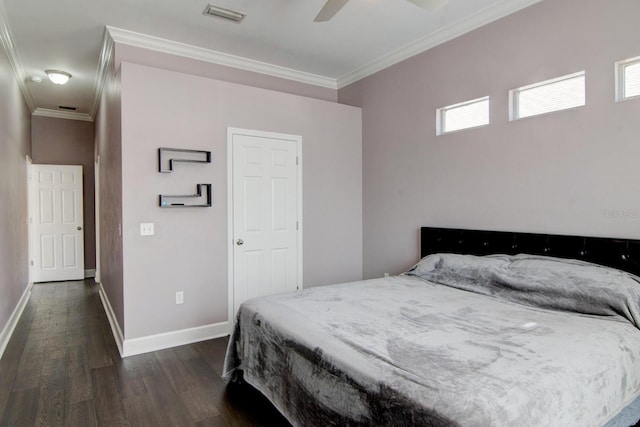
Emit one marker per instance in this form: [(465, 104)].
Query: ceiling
[(364, 37)]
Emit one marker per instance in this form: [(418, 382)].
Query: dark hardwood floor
[(62, 368)]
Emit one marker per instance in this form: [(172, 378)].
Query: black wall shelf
[(167, 157), (199, 200)]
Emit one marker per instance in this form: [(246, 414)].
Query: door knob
[(79, 228), (239, 242)]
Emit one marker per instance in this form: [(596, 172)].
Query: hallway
[(62, 367)]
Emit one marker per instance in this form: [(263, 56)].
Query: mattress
[(408, 350)]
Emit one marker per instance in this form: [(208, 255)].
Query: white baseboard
[(7, 332), (175, 338), (156, 342), (113, 321), (90, 273)]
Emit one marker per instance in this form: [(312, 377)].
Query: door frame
[(96, 177), (30, 218), (231, 131)]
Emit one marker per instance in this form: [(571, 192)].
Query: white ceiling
[(365, 36)]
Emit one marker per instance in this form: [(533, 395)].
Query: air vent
[(65, 108), (222, 13)]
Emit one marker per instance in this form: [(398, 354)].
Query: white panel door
[(56, 221), (266, 217)]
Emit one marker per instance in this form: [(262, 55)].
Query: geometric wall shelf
[(167, 157), (199, 200)]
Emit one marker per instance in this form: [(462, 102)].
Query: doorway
[(265, 214)]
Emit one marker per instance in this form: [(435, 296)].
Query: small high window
[(465, 115), (628, 79), (556, 94)]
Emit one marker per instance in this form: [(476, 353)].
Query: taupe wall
[(108, 147), (14, 147), (221, 72), (69, 142), (188, 253), (571, 172)]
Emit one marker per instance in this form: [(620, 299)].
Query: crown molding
[(194, 52), (432, 40), (106, 56), (70, 115), (114, 35), (14, 59)]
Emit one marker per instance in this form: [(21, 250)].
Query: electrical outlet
[(179, 297), (146, 229)]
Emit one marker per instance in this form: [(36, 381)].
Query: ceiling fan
[(331, 7)]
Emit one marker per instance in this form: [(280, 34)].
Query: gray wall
[(14, 147), (108, 147), (163, 108), (69, 142), (560, 173)]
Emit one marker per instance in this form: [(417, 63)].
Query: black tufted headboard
[(619, 253)]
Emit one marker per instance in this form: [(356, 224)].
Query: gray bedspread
[(470, 341)]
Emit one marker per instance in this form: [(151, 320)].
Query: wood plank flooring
[(62, 368)]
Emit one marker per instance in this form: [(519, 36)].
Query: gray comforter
[(469, 341)]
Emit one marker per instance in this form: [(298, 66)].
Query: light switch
[(146, 229)]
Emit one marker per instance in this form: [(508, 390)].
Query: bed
[(487, 329)]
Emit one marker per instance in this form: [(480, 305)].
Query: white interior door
[(266, 214), (56, 221)]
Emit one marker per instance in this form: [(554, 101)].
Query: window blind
[(548, 96), (632, 80), (465, 115)]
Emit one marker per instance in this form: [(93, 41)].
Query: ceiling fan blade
[(330, 8), (429, 4)]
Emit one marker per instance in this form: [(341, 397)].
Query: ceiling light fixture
[(222, 13), (58, 77)]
